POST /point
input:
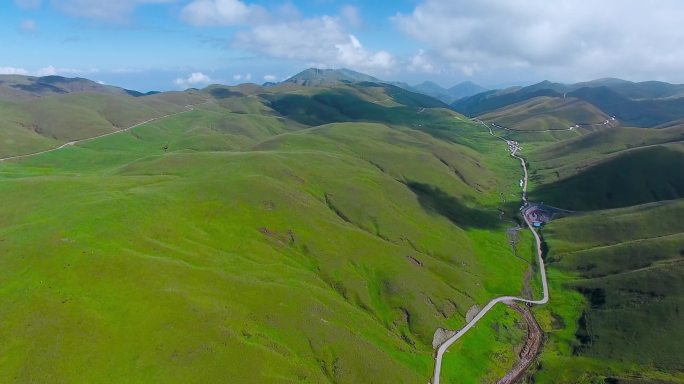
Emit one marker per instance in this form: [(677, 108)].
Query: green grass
[(219, 244), (544, 113), (37, 124), (626, 267), (497, 337), (628, 178)]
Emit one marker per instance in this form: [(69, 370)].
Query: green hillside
[(627, 265), (548, 113), (615, 274), (644, 104), (34, 119), (244, 240), (322, 232), (626, 178)]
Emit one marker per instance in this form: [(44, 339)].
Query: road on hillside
[(189, 108), (514, 147), (577, 125)]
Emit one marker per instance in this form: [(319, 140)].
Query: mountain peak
[(319, 77)]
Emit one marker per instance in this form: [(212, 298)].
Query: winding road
[(503, 299), (189, 108)]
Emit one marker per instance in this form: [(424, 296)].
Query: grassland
[(322, 234), (236, 242), (39, 123), (626, 266), (615, 274), (548, 113), (609, 182)]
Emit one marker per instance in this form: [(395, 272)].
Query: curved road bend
[(542, 269), (189, 108)]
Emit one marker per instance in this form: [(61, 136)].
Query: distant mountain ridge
[(458, 91), (642, 104), (326, 77), (13, 86)]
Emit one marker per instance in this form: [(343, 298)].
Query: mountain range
[(334, 228), (322, 77)]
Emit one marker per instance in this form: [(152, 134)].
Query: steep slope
[(629, 178), (627, 264)]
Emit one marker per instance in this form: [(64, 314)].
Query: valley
[(341, 192), (271, 233)]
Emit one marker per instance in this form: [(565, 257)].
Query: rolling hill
[(626, 265), (548, 113), (42, 113), (614, 259), (323, 229), (271, 234), (645, 104)]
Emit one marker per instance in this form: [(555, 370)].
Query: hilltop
[(329, 77), (323, 77)]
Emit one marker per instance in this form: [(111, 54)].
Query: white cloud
[(282, 33), (551, 38), (46, 71), (195, 78), (222, 13), (29, 26), (49, 70), (352, 15), (420, 63), (13, 71), (320, 41), (240, 77), (270, 78), (115, 11)]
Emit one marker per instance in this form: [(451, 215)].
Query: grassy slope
[(543, 113), (610, 182), (567, 158), (615, 275), (41, 123), (628, 264), (252, 249)]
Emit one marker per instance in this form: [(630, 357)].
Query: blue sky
[(173, 44)]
